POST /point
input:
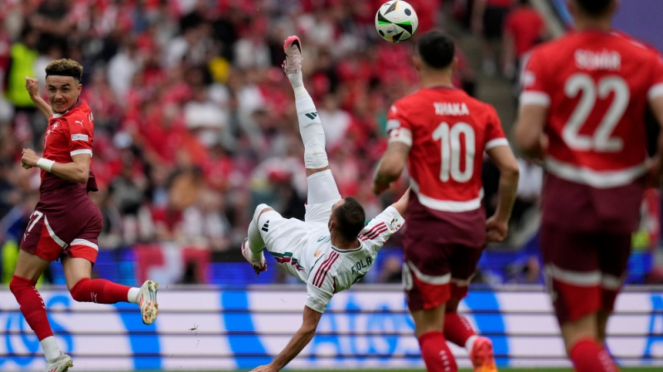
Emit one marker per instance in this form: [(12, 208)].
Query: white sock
[(297, 83), (313, 136), (132, 297), (51, 348), (256, 243), (470, 343)]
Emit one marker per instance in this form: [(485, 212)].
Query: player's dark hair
[(594, 7), (350, 218), (65, 67), (436, 49)]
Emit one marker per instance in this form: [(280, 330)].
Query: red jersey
[(597, 86), (526, 26), (447, 131), (67, 135)]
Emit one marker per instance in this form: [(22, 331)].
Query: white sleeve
[(321, 284), (381, 228)]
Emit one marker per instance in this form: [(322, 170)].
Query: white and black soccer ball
[(396, 21)]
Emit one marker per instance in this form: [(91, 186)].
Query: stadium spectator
[(523, 28), (488, 20)]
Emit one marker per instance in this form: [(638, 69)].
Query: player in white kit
[(332, 248)]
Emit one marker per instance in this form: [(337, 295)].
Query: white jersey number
[(601, 141), (451, 155)]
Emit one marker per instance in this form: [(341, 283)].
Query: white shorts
[(284, 236)]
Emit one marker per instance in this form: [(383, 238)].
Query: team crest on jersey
[(317, 253)]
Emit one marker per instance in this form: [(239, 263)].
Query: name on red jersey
[(603, 60), (451, 109)]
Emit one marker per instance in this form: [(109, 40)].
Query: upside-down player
[(65, 223), (442, 133), (582, 110), (331, 249)]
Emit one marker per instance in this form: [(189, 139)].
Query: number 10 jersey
[(447, 132)]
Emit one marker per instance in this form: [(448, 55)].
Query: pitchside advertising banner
[(229, 329)]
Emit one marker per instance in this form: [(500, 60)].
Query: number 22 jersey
[(596, 86), (447, 132)]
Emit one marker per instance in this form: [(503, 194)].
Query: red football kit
[(448, 132), (65, 220), (596, 86)]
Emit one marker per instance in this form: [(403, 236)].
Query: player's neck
[(588, 24), (341, 243), (436, 79)]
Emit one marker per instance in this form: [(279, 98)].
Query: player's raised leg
[(78, 271)]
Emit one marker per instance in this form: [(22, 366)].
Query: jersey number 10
[(450, 138)]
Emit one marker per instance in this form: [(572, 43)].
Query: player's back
[(596, 86), (449, 133)]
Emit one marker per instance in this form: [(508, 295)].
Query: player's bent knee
[(17, 284), (77, 291), (578, 329), (260, 209)]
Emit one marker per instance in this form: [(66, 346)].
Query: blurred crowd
[(194, 120)]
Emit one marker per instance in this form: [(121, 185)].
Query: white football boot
[(259, 265), (61, 364), (147, 299)]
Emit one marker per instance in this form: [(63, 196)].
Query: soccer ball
[(396, 21)]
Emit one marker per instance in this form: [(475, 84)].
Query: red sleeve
[(81, 131), (399, 127), (494, 133), (656, 89), (534, 81)]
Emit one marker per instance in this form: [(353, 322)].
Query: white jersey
[(304, 249)]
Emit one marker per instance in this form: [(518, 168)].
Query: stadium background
[(195, 126)]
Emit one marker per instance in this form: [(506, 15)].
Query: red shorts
[(64, 223), (584, 270), (432, 274)]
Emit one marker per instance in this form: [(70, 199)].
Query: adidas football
[(396, 21)]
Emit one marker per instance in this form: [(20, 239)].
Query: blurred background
[(195, 122)]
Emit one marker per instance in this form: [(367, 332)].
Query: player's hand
[(265, 368), (379, 188), (29, 158), (496, 230), (32, 85)]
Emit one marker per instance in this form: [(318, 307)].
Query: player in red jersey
[(442, 133), (582, 111), (65, 223)]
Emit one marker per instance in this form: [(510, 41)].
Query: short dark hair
[(594, 7), (65, 67), (437, 49), (351, 218)]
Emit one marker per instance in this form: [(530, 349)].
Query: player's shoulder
[(409, 101), (634, 46)]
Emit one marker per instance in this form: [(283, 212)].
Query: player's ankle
[(51, 348)]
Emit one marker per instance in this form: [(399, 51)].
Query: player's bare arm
[(497, 226), (303, 336), (32, 85), (390, 167), (402, 203), (656, 166), (528, 130), (76, 171)]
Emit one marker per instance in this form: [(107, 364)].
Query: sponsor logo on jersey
[(451, 108), (265, 227), (603, 60), (79, 122), (79, 137), (312, 115)]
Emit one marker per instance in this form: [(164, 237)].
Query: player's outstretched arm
[(303, 336), (402, 203), (497, 226), (390, 167), (32, 85)]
